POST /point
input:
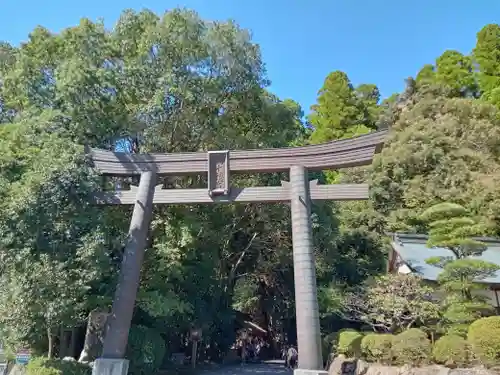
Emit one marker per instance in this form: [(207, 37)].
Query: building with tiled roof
[(409, 253)]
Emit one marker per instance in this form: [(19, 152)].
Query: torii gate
[(218, 165)]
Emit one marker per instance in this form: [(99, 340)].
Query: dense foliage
[(165, 84), (451, 350), (174, 83), (377, 347), (349, 342), (411, 347), (44, 366), (414, 347), (484, 336), (146, 349), (391, 303)]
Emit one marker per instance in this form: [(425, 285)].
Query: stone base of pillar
[(105, 366), (309, 372)]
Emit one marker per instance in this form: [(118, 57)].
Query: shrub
[(377, 347), (484, 338), (349, 343), (329, 344), (411, 347), (451, 350), (45, 366), (145, 350)]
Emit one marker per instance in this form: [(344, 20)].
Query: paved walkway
[(266, 368)]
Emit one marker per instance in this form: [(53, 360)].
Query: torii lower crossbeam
[(344, 192)]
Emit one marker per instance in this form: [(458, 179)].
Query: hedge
[(145, 350), (349, 343), (45, 366), (377, 347), (452, 351), (412, 347), (484, 338)]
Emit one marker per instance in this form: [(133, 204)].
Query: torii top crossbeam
[(218, 165), (338, 154)]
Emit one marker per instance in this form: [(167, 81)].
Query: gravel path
[(266, 368)]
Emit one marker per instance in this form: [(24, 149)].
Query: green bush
[(377, 347), (411, 347), (45, 366), (451, 350), (145, 350), (349, 343), (484, 338)]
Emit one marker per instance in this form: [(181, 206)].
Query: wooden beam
[(250, 194), (337, 154), (337, 192), (341, 192)]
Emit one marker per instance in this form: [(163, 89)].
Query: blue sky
[(379, 42)]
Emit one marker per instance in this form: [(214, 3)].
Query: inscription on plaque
[(218, 173)]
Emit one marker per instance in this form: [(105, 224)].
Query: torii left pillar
[(113, 360)]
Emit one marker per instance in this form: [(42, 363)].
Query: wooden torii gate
[(299, 191)]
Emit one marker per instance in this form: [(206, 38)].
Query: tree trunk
[(51, 342), (73, 342), (62, 342), (94, 336)]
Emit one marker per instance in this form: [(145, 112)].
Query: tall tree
[(454, 71), (53, 244), (426, 75), (368, 97), (487, 56), (337, 113), (439, 150)]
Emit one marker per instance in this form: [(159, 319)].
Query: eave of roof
[(413, 251)]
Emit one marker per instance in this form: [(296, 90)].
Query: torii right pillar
[(306, 296)]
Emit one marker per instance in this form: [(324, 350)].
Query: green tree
[(368, 98), (439, 149), (54, 245), (339, 112), (391, 303), (451, 228), (454, 71), (426, 75), (387, 112), (487, 56), (343, 111)]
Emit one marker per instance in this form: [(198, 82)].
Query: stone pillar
[(115, 340), (306, 300)]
